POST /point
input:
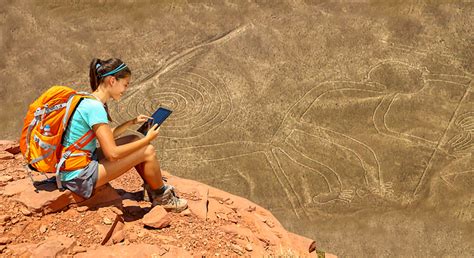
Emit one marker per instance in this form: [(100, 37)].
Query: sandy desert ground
[(351, 121)]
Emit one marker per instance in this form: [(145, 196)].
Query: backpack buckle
[(66, 154)]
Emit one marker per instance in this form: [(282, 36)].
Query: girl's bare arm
[(113, 152)]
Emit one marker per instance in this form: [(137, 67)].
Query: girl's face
[(118, 87)]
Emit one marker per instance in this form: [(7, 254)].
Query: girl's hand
[(152, 132), (141, 119)]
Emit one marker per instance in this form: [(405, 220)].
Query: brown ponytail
[(93, 73), (98, 68)]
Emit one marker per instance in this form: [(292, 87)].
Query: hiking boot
[(147, 192), (168, 199)]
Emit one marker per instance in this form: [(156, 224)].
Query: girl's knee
[(150, 152)]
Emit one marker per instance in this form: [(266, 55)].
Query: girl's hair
[(101, 69)]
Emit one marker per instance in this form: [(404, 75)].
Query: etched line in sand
[(424, 178), (200, 105), (370, 169), (379, 120), (462, 143), (452, 177), (186, 55)]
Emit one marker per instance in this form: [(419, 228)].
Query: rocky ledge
[(37, 220)]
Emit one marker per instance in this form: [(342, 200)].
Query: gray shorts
[(84, 183)]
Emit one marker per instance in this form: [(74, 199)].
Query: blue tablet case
[(159, 117)]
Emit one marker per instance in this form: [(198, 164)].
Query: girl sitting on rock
[(109, 79)]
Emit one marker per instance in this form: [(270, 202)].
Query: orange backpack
[(44, 125)]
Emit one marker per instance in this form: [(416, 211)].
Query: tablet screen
[(159, 117)]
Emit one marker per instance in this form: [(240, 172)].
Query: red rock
[(78, 249), (5, 143), (216, 210), (82, 208), (9, 146), (114, 233), (22, 250), (157, 218), (49, 199), (25, 211), (237, 249), (186, 212), (5, 240), (134, 250), (6, 155), (54, 246), (249, 247), (4, 179), (4, 218), (104, 196), (118, 237), (17, 187), (43, 228), (197, 206), (235, 230)]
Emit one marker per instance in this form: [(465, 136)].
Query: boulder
[(54, 246), (4, 155), (158, 218), (46, 198), (9, 146)]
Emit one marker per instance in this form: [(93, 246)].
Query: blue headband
[(114, 71)]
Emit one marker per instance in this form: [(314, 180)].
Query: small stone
[(229, 202), (116, 210), (118, 237), (2, 248), (78, 249), (186, 212), (312, 247), (237, 249), (25, 211), (251, 208), (141, 233), (82, 208), (70, 235), (162, 251), (88, 230), (249, 247), (43, 229), (107, 221), (4, 179), (270, 223), (5, 240), (233, 220), (4, 219)]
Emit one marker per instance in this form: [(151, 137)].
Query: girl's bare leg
[(144, 160)]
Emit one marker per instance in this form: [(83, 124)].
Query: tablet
[(159, 117)]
